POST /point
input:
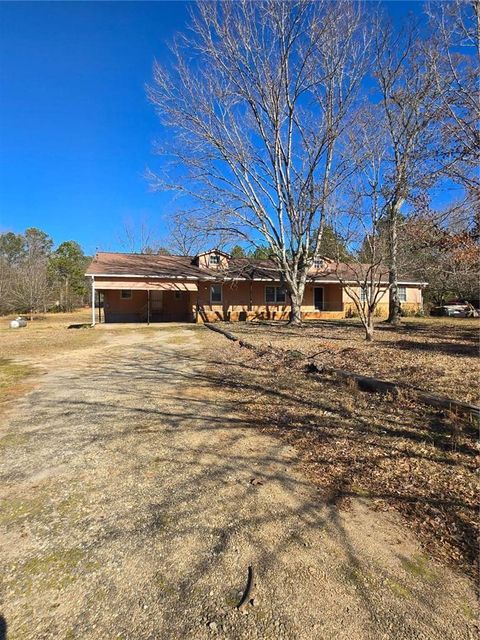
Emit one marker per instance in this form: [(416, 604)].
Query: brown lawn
[(396, 452), (142, 476), (40, 342), (436, 354)]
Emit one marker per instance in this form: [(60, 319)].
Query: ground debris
[(418, 460)]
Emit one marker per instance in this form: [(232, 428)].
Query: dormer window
[(318, 263), (213, 259)]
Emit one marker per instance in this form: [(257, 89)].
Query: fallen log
[(386, 386), (367, 383), (234, 338), (227, 334)]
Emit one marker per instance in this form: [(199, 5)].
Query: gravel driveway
[(134, 497)]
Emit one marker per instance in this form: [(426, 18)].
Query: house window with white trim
[(213, 259), (275, 295), (318, 263), (216, 293), (363, 294), (402, 294), (126, 294)]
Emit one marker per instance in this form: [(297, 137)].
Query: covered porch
[(142, 301)]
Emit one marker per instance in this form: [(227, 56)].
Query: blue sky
[(76, 130)]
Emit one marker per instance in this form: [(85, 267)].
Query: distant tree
[(5, 282), (12, 247), (333, 246), (187, 238), (33, 277), (30, 286), (238, 252), (138, 237), (260, 253), (66, 267), (445, 256)]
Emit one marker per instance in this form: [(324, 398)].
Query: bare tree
[(187, 236), (258, 97), (454, 64), (360, 226), (412, 117), (5, 284), (30, 287), (138, 238)]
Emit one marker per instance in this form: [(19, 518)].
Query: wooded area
[(35, 277)]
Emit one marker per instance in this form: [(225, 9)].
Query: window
[(216, 293), (125, 294), (402, 294), (363, 294), (275, 295), (318, 263), (177, 294), (214, 259)]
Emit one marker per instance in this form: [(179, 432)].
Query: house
[(213, 286)]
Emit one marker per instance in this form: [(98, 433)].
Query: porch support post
[(93, 301), (148, 306)]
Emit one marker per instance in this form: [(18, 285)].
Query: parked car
[(456, 310)]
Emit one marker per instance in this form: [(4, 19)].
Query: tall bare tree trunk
[(296, 291), (296, 309), (394, 316)]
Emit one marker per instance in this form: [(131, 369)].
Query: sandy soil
[(135, 495)]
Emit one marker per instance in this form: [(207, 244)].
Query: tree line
[(292, 117), (36, 277)]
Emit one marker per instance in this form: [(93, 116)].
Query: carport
[(143, 300)]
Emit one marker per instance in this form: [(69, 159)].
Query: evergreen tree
[(67, 266)]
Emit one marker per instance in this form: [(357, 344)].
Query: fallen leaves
[(396, 453)]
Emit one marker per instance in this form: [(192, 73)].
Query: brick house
[(213, 286)]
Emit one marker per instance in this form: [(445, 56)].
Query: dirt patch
[(393, 451), (130, 511), (436, 354)]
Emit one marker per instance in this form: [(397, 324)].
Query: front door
[(318, 298)]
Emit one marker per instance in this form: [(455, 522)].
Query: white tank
[(18, 323)]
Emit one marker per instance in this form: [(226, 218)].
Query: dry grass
[(45, 336), (436, 354), (43, 339), (12, 378), (395, 453)]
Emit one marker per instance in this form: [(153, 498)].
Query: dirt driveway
[(134, 497)]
